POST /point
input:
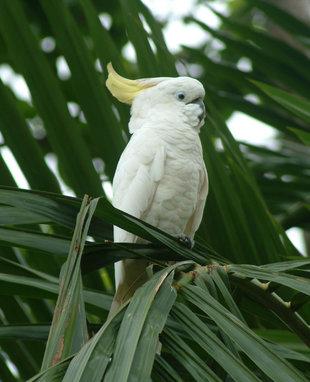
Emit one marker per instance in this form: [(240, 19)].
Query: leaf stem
[(258, 290), (262, 293)]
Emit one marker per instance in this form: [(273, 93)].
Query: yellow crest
[(124, 89)]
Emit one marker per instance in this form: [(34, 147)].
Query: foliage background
[(256, 194)]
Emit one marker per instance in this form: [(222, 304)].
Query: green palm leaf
[(236, 306)]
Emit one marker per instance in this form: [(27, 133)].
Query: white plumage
[(161, 177)]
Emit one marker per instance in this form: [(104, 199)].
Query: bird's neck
[(163, 121)]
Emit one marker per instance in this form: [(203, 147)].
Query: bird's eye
[(180, 96)]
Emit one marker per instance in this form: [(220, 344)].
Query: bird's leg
[(185, 240)]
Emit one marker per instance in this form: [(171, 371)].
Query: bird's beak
[(199, 102)]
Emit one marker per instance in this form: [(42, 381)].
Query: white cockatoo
[(161, 177)]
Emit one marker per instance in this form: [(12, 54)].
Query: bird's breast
[(177, 193)]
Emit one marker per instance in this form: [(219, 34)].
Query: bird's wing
[(140, 169), (138, 173), (194, 221)]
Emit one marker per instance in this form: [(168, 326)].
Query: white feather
[(161, 177)]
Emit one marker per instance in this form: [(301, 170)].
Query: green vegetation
[(236, 306)]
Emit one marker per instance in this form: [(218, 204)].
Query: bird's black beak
[(199, 102)]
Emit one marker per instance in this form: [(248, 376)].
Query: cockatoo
[(161, 177)]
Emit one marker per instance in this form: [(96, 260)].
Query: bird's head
[(163, 97)]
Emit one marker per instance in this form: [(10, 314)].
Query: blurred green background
[(66, 132)]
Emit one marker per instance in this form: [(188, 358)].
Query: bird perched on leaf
[(161, 177)]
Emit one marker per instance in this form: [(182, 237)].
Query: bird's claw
[(185, 240)]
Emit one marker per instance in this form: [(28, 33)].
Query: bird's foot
[(185, 240)]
